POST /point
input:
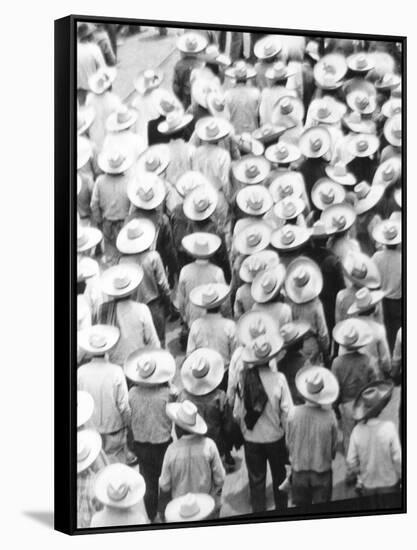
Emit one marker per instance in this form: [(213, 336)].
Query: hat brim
[(201, 43), (111, 333), (313, 288), (250, 146), (239, 170), (395, 162), (242, 201), (95, 445), (92, 83), (240, 240), (365, 336), (372, 280), (339, 195), (159, 193), (299, 209), (85, 407), (135, 274), (164, 371), (189, 208), (213, 378), (379, 237), (214, 243), (103, 163), (88, 117), (196, 298), (270, 258), (117, 473), (388, 133), (269, 133), (94, 238), (302, 236), (225, 129), (257, 291), (327, 395), (304, 143), (388, 110), (361, 412), (164, 128), (294, 154), (341, 209), (142, 243), (362, 127), (302, 330), (377, 296), (373, 145), (250, 73), (206, 507), (112, 124), (199, 428), (248, 355), (86, 268), (252, 317), (140, 86), (372, 199), (348, 179)]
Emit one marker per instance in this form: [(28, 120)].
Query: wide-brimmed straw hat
[(201, 245), (166, 102), (365, 299), (86, 268), (201, 88), (268, 283), (121, 280), (361, 270), (392, 107), (85, 117), (84, 151), (388, 172), (388, 81), (393, 131), (325, 110), (257, 263), (119, 486), (330, 70), (212, 128), (85, 29), (283, 153), (361, 97), (251, 170), (136, 236), (398, 197), (338, 218), (360, 62), (200, 203), (121, 119), (254, 200), (85, 407), (253, 324), (87, 238), (216, 104), (241, 71), (102, 79), (267, 47), (387, 232), (192, 42), (268, 133), (185, 415), (210, 295), (289, 208), (339, 173), (146, 191), (367, 196), (253, 238), (262, 349), (98, 339), (372, 399), (287, 108), (355, 122), (315, 142), (148, 80), (202, 371), (326, 192), (363, 145), (190, 507), (115, 162), (150, 366), (290, 237), (317, 385), (249, 145), (352, 334), (88, 448), (312, 50), (174, 122), (155, 159), (304, 280), (189, 181), (279, 71), (287, 184), (212, 55), (293, 332)]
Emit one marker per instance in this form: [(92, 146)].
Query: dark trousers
[(392, 318), (310, 487), (151, 457), (257, 455), (159, 318)]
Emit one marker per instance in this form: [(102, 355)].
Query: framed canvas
[(229, 282)]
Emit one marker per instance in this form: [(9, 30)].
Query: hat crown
[(362, 190), (269, 47), (187, 413), (396, 129), (201, 244), (370, 397), (288, 237), (279, 69), (329, 68), (253, 238), (286, 106), (191, 43), (121, 279), (189, 506), (174, 118), (123, 115), (289, 332), (219, 103), (388, 172), (255, 200), (201, 202), (118, 492), (315, 383), (149, 77), (339, 221), (319, 228), (116, 159), (212, 129), (340, 169), (241, 69), (146, 368), (281, 151), (285, 190), (251, 170), (83, 450), (289, 208), (257, 328), (355, 117), (209, 295), (363, 298), (362, 100), (152, 162), (323, 111), (134, 230), (361, 61), (390, 232), (145, 191), (327, 194), (254, 265), (201, 368), (316, 144), (359, 272), (261, 347), (97, 340), (362, 145), (301, 276), (351, 335), (269, 282)]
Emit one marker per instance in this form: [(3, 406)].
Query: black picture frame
[(65, 290)]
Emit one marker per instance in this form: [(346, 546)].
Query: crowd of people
[(255, 203)]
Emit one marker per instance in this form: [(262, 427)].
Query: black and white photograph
[(239, 274)]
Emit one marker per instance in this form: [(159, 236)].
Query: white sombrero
[(189, 181), (174, 122), (267, 47), (254, 200), (98, 339), (200, 203), (121, 280), (115, 161), (209, 296), (279, 71), (361, 96), (88, 448), (146, 191), (388, 172), (268, 283), (361, 270), (325, 110), (255, 237), (388, 232), (317, 385), (353, 333), (249, 145), (393, 131), (201, 244), (119, 486), (257, 263), (102, 79), (189, 507), (288, 184), (360, 62), (121, 119), (155, 159), (315, 142), (288, 107), (392, 107), (166, 102), (283, 153), (304, 280), (367, 196), (365, 299), (339, 173), (86, 268), (84, 151), (363, 145), (290, 237), (85, 407), (85, 117), (185, 415), (213, 128), (150, 367), (251, 170), (338, 218), (87, 238), (330, 70), (202, 371), (148, 80), (358, 124), (241, 71), (289, 208), (326, 192), (136, 236), (216, 104), (192, 42)]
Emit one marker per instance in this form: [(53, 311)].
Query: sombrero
[(200, 203), (338, 218), (254, 200), (257, 263), (136, 236), (216, 104), (85, 117), (326, 192), (241, 71), (352, 334), (251, 170), (361, 270), (268, 133), (146, 191), (392, 107), (201, 245), (84, 151), (304, 280), (210, 295), (289, 208), (98, 339), (88, 448), (282, 153), (148, 366), (387, 232), (388, 172), (359, 125), (121, 119), (388, 81), (115, 161), (121, 280), (166, 102), (192, 42), (249, 145), (290, 237), (325, 110), (202, 371), (288, 184), (315, 142), (174, 122), (201, 88), (365, 299), (279, 71), (392, 130), (339, 173), (119, 486), (362, 97), (148, 80), (253, 238), (372, 399), (189, 181), (363, 145), (317, 385), (212, 55), (261, 350), (102, 79), (288, 106), (212, 128), (293, 332), (86, 268), (85, 407), (330, 70), (185, 415), (267, 47), (87, 238), (253, 324), (85, 29), (268, 283), (367, 196), (189, 507), (360, 62), (155, 159)]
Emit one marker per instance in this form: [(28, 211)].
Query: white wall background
[(26, 218)]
